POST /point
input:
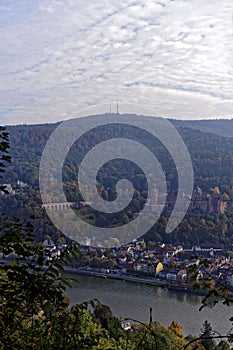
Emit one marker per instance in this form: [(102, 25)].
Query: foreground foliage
[(34, 312)]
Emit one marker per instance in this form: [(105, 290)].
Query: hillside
[(212, 155), (221, 127), (212, 159)]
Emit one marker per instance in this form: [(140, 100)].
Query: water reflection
[(159, 291), (193, 299), (181, 296)]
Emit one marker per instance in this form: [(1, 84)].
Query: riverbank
[(148, 281)]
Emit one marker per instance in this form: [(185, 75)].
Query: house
[(171, 276), (21, 184), (137, 267), (126, 325), (181, 275)]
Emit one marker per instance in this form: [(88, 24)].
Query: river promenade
[(134, 279), (117, 276)]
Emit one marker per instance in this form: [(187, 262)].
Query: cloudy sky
[(58, 57)]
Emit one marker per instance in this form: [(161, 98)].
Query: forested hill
[(212, 155), (26, 146), (221, 127), (212, 158)]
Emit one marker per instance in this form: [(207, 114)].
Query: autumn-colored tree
[(177, 329)]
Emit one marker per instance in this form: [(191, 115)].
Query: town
[(149, 262), (153, 263)]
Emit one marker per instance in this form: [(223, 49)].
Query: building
[(207, 203), (58, 206)]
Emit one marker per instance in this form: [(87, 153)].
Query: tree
[(4, 157), (229, 254), (223, 346), (109, 322), (215, 190), (193, 344), (177, 329), (31, 282), (150, 245), (156, 336), (206, 336), (225, 197)]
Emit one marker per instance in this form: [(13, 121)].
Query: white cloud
[(58, 57)]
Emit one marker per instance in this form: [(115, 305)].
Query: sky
[(60, 57)]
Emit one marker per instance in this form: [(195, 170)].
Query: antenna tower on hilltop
[(117, 108)]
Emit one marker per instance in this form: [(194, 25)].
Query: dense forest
[(211, 155)]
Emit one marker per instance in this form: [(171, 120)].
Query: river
[(127, 299)]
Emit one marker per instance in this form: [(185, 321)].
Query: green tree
[(108, 321), (223, 346), (229, 254), (4, 157), (31, 282), (206, 336), (156, 336)]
